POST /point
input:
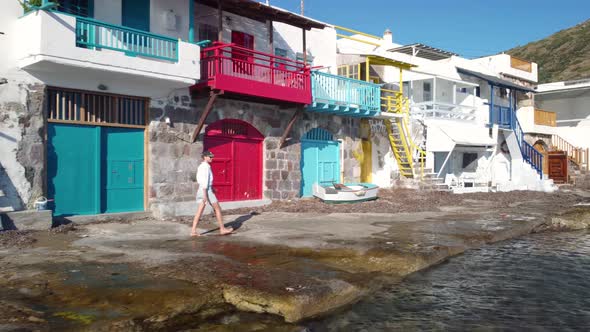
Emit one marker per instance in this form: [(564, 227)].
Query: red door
[(237, 165), (242, 59)]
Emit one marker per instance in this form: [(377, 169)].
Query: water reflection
[(539, 283)]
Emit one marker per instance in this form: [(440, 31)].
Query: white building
[(463, 115)]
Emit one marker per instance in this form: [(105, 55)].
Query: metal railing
[(444, 111), (529, 153), (342, 91), (239, 62), (395, 102), (91, 33)]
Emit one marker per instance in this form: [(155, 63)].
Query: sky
[(471, 28)]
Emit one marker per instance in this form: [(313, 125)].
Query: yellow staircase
[(398, 132)]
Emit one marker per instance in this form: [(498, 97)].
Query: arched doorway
[(320, 156), (237, 165), (541, 146)]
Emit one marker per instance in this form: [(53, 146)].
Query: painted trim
[(96, 124)]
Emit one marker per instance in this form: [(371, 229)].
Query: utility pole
[(302, 7)]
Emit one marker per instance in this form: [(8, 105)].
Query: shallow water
[(540, 282)]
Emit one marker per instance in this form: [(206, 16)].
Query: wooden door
[(73, 169), (558, 166), (320, 160), (136, 14), (237, 165), (541, 148), (243, 60), (122, 168)]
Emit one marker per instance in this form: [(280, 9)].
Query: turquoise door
[(136, 14), (73, 169), (122, 162), (319, 160), (94, 169)]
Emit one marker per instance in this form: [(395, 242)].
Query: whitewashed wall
[(500, 63), (321, 44), (232, 22), (569, 105), (110, 11)]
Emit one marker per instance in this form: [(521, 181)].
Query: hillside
[(563, 56)]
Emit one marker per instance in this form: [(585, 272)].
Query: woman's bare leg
[(222, 228), (197, 218)]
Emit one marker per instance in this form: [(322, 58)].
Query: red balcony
[(239, 70)]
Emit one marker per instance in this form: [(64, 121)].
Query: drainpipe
[(491, 113)]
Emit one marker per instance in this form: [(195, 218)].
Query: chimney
[(388, 36)]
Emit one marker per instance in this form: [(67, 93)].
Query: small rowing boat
[(345, 193)]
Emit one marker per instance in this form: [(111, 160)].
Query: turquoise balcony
[(96, 34), (344, 96)]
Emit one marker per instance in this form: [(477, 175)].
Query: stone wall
[(533, 138), (22, 141), (174, 160)]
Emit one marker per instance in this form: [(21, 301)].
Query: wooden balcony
[(344, 96), (239, 70), (545, 118), (502, 116), (520, 64)]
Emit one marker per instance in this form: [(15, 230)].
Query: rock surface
[(149, 275)]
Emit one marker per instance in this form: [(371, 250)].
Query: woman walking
[(205, 195)]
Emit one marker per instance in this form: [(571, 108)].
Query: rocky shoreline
[(149, 275)]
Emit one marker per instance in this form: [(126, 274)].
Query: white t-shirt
[(204, 176)]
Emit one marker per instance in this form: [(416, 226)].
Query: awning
[(261, 12), (465, 133), (493, 80), (385, 61), (424, 51)]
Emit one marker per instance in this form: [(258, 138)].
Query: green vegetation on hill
[(563, 56)]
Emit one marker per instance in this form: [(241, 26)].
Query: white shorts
[(210, 194)]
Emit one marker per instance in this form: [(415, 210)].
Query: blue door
[(122, 165), (92, 169), (73, 154), (319, 160), (136, 14)]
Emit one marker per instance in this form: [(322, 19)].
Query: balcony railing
[(578, 155), (393, 101), (545, 118), (529, 153), (502, 116), (240, 70), (95, 34), (344, 96), (439, 110)]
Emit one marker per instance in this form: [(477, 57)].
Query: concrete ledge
[(26, 220), (189, 208), (86, 219)]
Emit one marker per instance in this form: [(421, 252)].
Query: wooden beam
[(270, 37), (206, 112), (296, 115), (304, 48), (219, 22)]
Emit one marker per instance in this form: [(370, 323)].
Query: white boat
[(345, 193)]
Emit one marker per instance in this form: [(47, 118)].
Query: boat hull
[(349, 193)]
